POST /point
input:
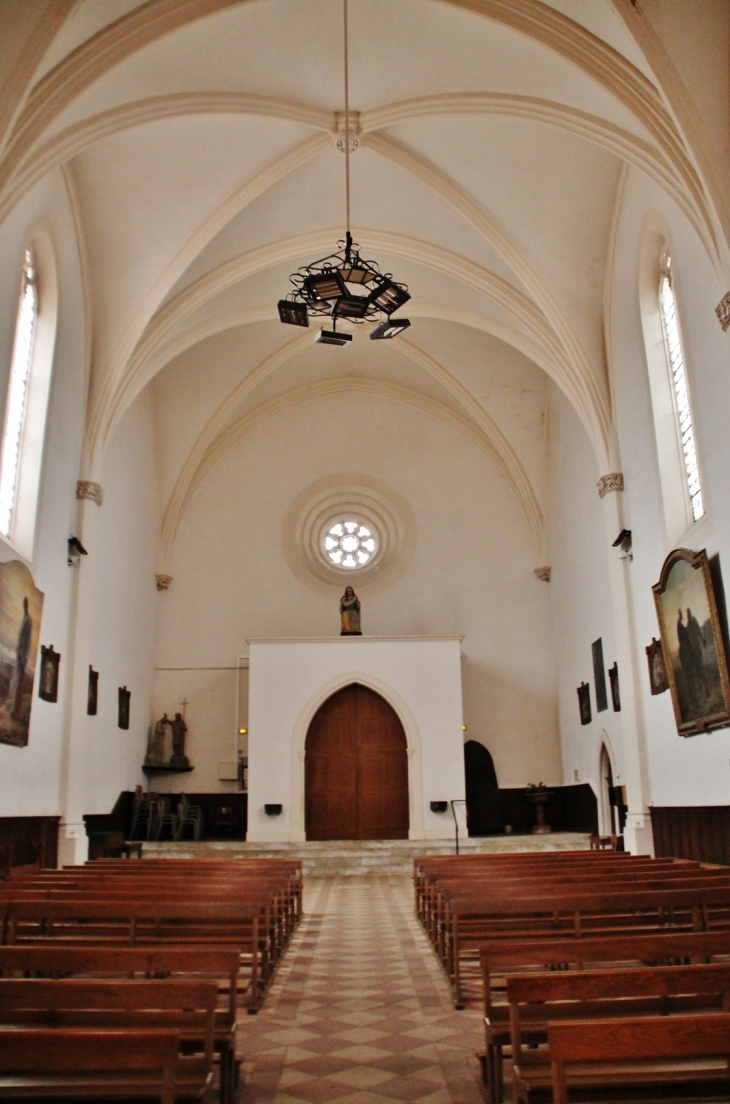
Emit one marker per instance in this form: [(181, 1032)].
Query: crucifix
[(183, 703)]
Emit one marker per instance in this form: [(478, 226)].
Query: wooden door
[(356, 769)]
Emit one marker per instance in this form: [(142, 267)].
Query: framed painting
[(584, 703), (599, 676), (21, 607), (123, 710), (48, 678), (658, 680), (92, 701), (692, 645), (615, 689)]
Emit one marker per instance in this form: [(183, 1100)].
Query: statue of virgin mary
[(350, 613)]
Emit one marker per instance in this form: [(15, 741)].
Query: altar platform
[(363, 857)]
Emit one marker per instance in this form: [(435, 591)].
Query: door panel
[(356, 769)]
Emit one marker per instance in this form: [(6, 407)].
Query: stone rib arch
[(197, 468), (116, 399), (633, 150), (413, 740)]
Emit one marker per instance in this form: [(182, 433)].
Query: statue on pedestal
[(350, 613), (155, 756), (179, 732)]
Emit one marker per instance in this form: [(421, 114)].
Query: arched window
[(26, 403), (675, 358), (15, 407), (674, 428)]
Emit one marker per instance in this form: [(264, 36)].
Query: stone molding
[(614, 481), (543, 573), (86, 488), (722, 310), (163, 581)]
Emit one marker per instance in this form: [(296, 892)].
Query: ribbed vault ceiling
[(198, 140)]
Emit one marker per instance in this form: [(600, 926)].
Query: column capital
[(544, 573), (722, 310), (614, 481), (163, 581), (86, 488)]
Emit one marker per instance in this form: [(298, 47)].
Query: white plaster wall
[(694, 771), (581, 596), (125, 605), (471, 574), (29, 777), (289, 681)]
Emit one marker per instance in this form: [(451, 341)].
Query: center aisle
[(360, 1010)]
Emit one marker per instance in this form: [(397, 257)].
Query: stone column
[(72, 841), (635, 777)]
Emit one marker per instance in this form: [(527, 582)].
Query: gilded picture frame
[(692, 644)]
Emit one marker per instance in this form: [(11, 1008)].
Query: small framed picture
[(48, 679), (584, 703), (615, 691), (92, 701), (123, 713), (658, 680)]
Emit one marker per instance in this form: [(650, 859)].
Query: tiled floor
[(359, 1011)]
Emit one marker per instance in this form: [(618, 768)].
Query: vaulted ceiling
[(198, 139)]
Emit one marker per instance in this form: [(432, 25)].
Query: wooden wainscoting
[(692, 832), (33, 840)]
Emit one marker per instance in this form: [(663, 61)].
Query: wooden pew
[(473, 922), (661, 1052), (538, 1001), (501, 957), (53, 1064), (220, 965), (145, 923)]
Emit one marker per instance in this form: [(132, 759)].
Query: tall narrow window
[(670, 327), (25, 328)]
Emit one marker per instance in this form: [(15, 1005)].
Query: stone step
[(331, 858)]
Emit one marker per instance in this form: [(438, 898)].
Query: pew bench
[(654, 1053), (537, 1002), (219, 965), (502, 957), (50, 1065)]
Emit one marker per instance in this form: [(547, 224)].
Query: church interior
[(364, 470)]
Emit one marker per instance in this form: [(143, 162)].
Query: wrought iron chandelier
[(344, 285)]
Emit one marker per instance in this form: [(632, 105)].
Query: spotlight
[(324, 285), (350, 306), (357, 274), (623, 540), (293, 314), (332, 337), (75, 551), (389, 329), (388, 296)]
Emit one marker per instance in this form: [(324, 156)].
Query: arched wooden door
[(356, 769)]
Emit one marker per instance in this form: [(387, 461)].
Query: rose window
[(349, 545)]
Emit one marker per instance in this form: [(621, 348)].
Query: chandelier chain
[(347, 126)]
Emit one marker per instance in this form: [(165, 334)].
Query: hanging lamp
[(344, 285)]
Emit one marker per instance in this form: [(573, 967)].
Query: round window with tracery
[(348, 544)]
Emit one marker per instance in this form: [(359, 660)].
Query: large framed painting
[(692, 645), (21, 607)]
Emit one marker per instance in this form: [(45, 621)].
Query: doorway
[(356, 769), (608, 809)]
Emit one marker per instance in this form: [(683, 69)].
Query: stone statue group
[(156, 745)]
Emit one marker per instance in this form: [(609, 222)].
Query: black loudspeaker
[(439, 806), (273, 810)]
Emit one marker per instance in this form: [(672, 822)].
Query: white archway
[(413, 741)]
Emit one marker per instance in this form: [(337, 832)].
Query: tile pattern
[(359, 1012)]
